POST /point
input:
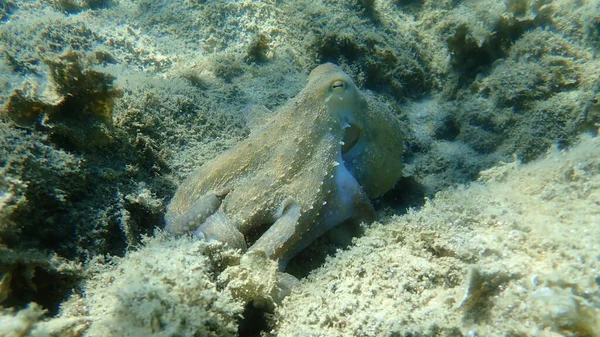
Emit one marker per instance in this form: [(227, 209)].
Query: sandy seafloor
[(494, 229)]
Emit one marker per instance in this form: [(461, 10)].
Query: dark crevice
[(254, 321)]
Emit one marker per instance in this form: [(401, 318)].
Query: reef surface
[(107, 106)]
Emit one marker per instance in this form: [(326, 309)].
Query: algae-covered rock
[(74, 103), (165, 288), (26, 277), (515, 254)]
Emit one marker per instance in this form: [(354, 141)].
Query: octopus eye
[(338, 86)]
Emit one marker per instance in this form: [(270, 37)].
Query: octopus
[(314, 163)]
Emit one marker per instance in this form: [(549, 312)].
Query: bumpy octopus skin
[(311, 166)]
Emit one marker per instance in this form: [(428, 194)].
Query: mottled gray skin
[(313, 165)]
